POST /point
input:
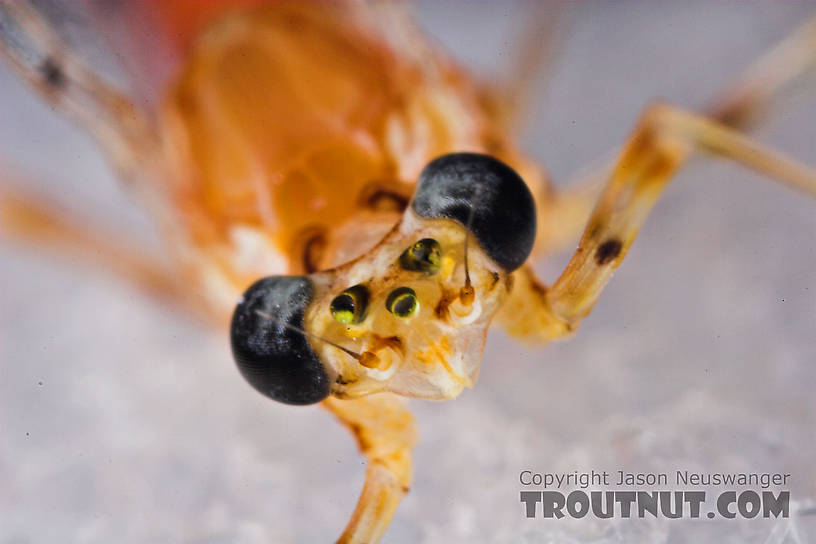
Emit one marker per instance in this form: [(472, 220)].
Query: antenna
[(468, 293), (367, 359)]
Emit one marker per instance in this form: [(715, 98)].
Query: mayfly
[(361, 198)]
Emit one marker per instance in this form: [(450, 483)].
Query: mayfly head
[(411, 315)]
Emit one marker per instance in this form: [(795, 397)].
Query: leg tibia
[(658, 147), (385, 432)]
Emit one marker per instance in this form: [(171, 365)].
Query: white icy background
[(701, 354)]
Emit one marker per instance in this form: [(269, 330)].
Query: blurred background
[(122, 420)]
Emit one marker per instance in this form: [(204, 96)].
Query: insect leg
[(564, 212), (658, 147), (35, 50), (740, 103), (27, 219), (385, 432), (545, 26)]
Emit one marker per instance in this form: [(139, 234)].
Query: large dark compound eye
[(488, 195), (271, 353)]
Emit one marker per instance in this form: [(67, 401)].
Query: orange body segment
[(304, 128), (301, 123)]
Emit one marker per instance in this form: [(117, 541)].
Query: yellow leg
[(563, 213), (739, 104), (660, 144), (42, 59), (385, 432), (545, 25), (28, 220)]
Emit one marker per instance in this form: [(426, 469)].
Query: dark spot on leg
[(52, 73), (608, 251)]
